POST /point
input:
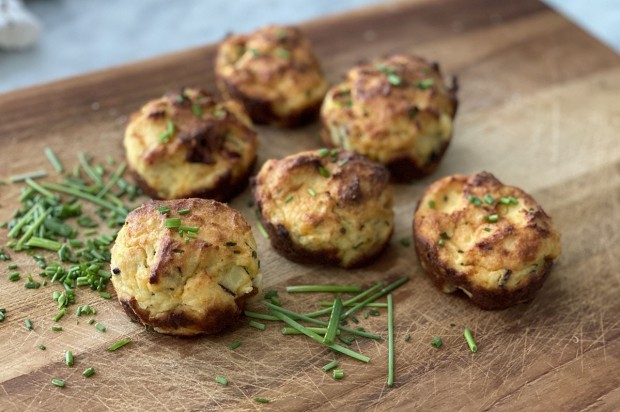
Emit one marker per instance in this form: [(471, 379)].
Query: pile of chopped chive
[(52, 218)]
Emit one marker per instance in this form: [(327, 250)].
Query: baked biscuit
[(187, 144), (487, 239), (397, 111), (327, 207), (189, 279), (274, 73)]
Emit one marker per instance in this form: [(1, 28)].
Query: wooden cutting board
[(540, 108)]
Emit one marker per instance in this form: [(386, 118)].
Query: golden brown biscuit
[(397, 111), (274, 73), (327, 207), (187, 144), (487, 239), (187, 280)]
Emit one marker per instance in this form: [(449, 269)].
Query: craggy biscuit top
[(188, 275), (275, 64), (395, 107), (187, 142), (328, 201), (494, 235)]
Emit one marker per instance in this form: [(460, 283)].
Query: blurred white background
[(79, 36)]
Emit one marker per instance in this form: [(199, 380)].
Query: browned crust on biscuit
[(224, 189), (284, 245), (486, 299), (261, 110), (214, 321)]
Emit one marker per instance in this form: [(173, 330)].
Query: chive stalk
[(235, 345), (344, 304), (88, 372), (58, 382), (221, 380), (28, 324), (31, 175), (437, 342), (390, 302), (376, 296), (38, 188), (293, 331), (119, 344), (348, 302), (261, 400), (257, 315), (324, 288), (338, 374), (470, 340), (84, 195), (257, 325), (331, 365), (334, 321), (100, 327), (69, 358)]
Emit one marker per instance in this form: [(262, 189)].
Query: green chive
[(345, 304), (324, 172), (288, 198), (42, 346), (58, 382), (221, 380), (376, 296), (441, 242), (317, 337), (14, 277), (12, 266), (192, 229), (349, 302), (436, 342), (334, 321), (59, 315), (293, 331), (509, 200), (235, 345), (394, 79), (91, 321), (324, 288), (69, 358), (470, 340), (183, 211), (88, 372), (338, 374), (51, 156), (474, 200), (262, 229), (173, 223), (42, 243), (492, 218), (197, 109), (331, 365), (323, 152), (431, 204), (407, 338), (105, 295), (283, 53), (425, 84), (100, 327), (405, 242), (165, 136), (255, 52), (489, 199), (390, 303), (31, 175), (87, 196), (39, 189), (261, 400), (119, 344), (163, 209), (113, 180), (28, 324), (311, 191), (257, 325)]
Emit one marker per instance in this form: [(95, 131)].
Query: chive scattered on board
[(324, 288), (69, 358), (221, 380), (100, 327), (58, 382), (262, 400), (338, 374), (41, 346), (334, 321), (57, 328), (257, 325), (88, 372), (470, 340), (235, 344), (119, 344), (28, 324), (331, 365), (30, 175), (51, 156), (437, 342), (390, 302), (406, 242)]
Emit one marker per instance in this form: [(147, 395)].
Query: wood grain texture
[(539, 109)]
